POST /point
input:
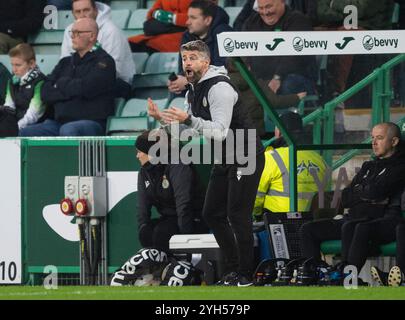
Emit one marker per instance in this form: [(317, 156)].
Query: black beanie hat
[(292, 121), (144, 144)]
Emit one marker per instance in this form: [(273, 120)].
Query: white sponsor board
[(294, 43), (10, 212)]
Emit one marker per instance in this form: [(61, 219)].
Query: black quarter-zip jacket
[(81, 88), (370, 192), (174, 190)]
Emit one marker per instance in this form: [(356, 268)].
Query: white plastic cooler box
[(205, 253)]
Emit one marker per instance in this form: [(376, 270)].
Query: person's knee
[(307, 229), (69, 129), (29, 131), (145, 236)]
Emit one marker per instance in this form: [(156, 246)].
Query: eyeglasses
[(75, 33)]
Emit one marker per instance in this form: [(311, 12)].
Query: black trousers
[(400, 236), (228, 211), (158, 233), (368, 236), (360, 237)]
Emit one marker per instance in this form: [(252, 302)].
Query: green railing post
[(258, 92), (292, 150), (377, 87), (387, 94), (329, 130)]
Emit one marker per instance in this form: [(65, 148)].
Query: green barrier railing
[(323, 119), (380, 79)]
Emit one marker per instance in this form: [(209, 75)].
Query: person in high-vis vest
[(273, 194)]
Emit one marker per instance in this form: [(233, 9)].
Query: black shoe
[(379, 276), (236, 280), (244, 281), (395, 277), (228, 279)]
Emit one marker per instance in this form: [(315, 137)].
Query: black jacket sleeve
[(30, 23), (144, 206), (61, 85), (50, 92), (246, 11), (99, 80), (374, 185), (181, 177)]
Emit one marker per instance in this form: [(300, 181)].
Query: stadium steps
[(359, 119)]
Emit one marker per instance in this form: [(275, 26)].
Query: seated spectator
[(205, 21), (370, 200), (18, 19), (79, 88), (273, 191), (251, 102), (293, 74), (23, 105), (66, 4), (307, 7), (163, 28), (110, 37), (174, 190)]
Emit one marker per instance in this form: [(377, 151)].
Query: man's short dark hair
[(196, 45), (93, 3), (392, 129), (207, 7)]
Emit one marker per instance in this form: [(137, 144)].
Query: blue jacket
[(81, 88)]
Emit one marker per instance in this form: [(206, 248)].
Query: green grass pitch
[(199, 293)]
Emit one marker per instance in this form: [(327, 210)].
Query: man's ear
[(209, 20), (395, 141)]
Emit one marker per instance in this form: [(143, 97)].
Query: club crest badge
[(165, 183)]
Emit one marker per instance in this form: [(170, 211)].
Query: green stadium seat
[(124, 4), (118, 126), (53, 36), (232, 13), (120, 17), (135, 23), (5, 61), (45, 37), (47, 49), (118, 104), (140, 59), (138, 107), (162, 62), (47, 62), (150, 85), (153, 82), (177, 102)]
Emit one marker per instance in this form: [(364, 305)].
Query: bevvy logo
[(300, 44), (230, 45), (370, 42)]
